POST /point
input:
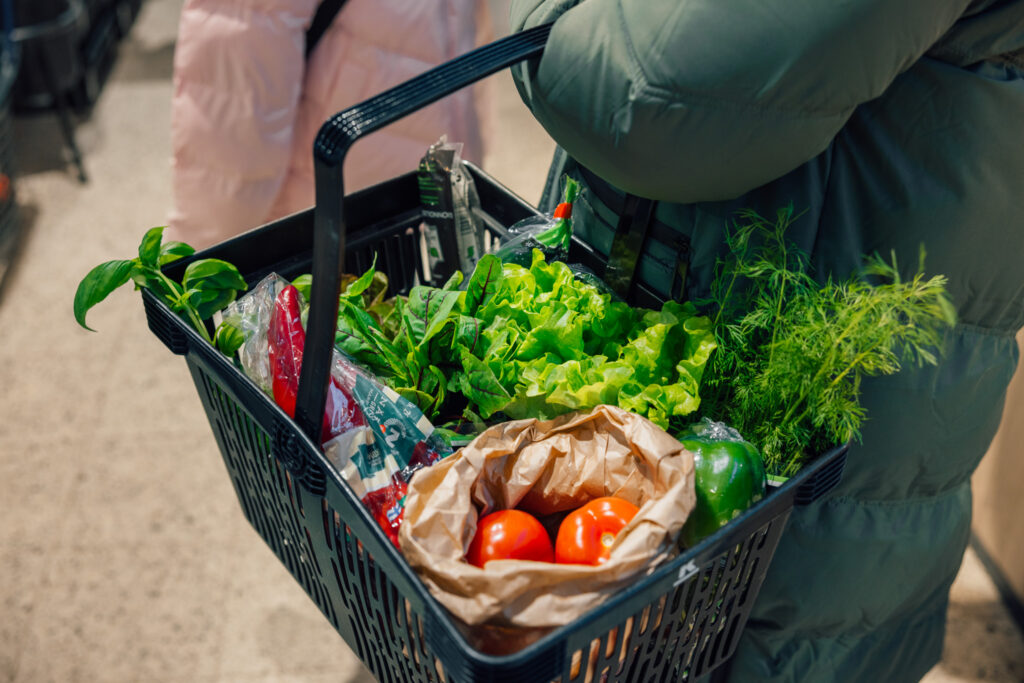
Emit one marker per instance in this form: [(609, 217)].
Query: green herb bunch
[(792, 352), (207, 286)]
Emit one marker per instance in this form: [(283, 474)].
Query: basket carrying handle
[(332, 143)]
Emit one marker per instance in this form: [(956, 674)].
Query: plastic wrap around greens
[(551, 234), (535, 342)]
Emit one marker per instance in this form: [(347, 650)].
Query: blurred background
[(124, 555)]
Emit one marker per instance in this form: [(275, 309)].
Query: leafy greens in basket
[(526, 342)]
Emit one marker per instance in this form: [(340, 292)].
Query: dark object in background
[(9, 224), (68, 48), (79, 38)]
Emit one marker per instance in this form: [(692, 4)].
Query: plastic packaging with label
[(454, 235), (375, 438)]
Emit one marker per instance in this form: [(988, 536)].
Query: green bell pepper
[(729, 477)]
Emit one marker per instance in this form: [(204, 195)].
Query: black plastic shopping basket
[(677, 623)]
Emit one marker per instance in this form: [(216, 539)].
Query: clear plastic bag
[(551, 234), (375, 438)]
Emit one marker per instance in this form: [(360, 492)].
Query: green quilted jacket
[(891, 123)]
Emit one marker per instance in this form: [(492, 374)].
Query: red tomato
[(509, 535), (586, 535)]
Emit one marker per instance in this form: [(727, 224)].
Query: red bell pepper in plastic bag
[(375, 438), (286, 339)]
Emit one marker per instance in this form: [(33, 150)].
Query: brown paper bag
[(544, 468)]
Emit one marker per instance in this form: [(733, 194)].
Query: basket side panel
[(270, 499), (690, 630), (388, 630), (321, 552)]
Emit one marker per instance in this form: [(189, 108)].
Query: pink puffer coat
[(247, 105)]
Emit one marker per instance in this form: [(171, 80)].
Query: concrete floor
[(124, 555)]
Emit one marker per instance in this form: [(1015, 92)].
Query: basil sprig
[(208, 285)]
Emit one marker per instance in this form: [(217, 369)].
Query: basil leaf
[(149, 249), (210, 285), (98, 284), (207, 272), (172, 251)]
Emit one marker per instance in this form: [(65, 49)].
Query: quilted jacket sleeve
[(238, 74), (703, 100)]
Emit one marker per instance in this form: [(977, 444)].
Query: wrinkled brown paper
[(543, 468)]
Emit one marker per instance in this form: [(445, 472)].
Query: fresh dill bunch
[(792, 351)]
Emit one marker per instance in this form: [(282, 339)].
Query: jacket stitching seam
[(940, 496), (997, 332), (638, 68), (669, 95), (825, 194)]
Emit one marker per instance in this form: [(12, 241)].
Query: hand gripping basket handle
[(332, 143)]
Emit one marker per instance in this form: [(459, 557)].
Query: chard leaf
[(454, 281), (440, 317), (421, 399), (439, 345), (386, 315), (481, 387), (454, 382), (427, 310), (378, 289), (358, 335), (483, 283), (349, 338), (469, 334)]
